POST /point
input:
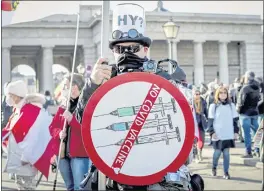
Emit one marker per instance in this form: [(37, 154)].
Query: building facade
[(207, 46)]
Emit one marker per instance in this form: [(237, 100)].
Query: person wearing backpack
[(223, 126), (49, 100), (247, 107)]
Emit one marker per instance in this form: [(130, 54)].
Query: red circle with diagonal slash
[(137, 77)]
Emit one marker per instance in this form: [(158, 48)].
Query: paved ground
[(243, 177)]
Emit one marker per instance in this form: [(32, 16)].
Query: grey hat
[(250, 75)]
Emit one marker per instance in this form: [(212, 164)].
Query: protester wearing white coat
[(25, 173)]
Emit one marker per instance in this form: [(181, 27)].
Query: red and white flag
[(15, 11), (32, 134)]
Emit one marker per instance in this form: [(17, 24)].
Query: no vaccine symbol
[(135, 128)]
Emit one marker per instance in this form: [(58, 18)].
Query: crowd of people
[(228, 112), (225, 112)]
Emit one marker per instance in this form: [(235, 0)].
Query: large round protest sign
[(137, 127)]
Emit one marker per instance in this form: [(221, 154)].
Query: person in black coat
[(200, 107), (247, 107), (238, 88)]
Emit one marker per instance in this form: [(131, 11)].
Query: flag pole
[(69, 94), (104, 52)]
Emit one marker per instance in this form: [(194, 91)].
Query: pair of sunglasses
[(119, 49), (132, 33)]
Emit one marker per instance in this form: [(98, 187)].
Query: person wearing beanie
[(247, 107), (17, 163), (15, 92)]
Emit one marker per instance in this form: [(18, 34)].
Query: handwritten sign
[(127, 16)]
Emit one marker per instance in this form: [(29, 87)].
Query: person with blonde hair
[(222, 125)]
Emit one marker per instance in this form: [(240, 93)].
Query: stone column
[(39, 74), (89, 55), (198, 62), (223, 62), (47, 75), (6, 65), (253, 57), (174, 49)]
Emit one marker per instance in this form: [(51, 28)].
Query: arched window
[(59, 71), (27, 74)]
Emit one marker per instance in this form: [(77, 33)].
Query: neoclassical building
[(207, 46)]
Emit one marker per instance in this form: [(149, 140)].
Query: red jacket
[(76, 145)]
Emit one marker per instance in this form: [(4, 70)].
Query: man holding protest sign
[(130, 48)]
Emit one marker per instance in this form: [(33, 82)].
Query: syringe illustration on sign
[(151, 123), (150, 138), (155, 137), (133, 110)]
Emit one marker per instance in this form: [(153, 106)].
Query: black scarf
[(129, 62), (73, 104), (224, 102)]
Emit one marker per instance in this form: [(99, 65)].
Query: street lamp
[(171, 31)]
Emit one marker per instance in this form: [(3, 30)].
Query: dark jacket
[(202, 117), (248, 98), (209, 99)]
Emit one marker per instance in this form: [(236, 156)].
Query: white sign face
[(157, 137), (129, 16), (137, 127)]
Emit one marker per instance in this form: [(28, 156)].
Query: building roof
[(159, 14)]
